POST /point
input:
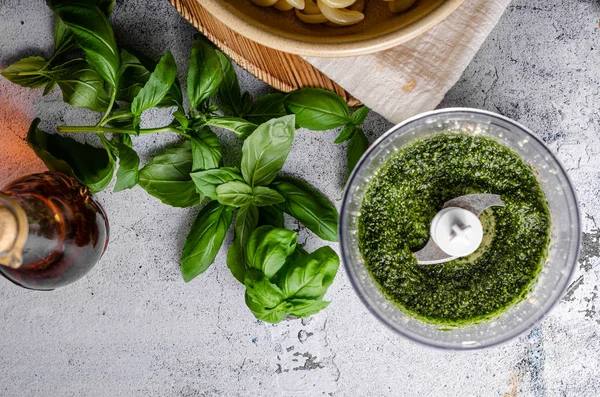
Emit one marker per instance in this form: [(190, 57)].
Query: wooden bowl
[(283, 31)]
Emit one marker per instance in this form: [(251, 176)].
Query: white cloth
[(414, 77)]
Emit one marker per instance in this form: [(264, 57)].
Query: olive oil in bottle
[(52, 231)]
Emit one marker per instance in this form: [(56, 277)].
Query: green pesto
[(407, 193)]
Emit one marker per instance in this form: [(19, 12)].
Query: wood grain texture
[(283, 71)]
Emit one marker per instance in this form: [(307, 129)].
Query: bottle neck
[(14, 228)]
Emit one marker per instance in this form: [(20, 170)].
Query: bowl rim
[(253, 32), (533, 321)]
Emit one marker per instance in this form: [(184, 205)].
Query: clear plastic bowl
[(565, 229)]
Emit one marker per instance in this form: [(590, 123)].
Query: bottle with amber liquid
[(52, 231)]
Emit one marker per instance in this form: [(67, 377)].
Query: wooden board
[(283, 71)]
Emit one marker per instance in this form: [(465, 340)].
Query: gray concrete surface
[(133, 328)]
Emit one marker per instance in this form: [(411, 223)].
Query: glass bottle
[(52, 231)]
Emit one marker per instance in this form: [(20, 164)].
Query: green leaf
[(308, 206), (124, 139), (267, 107), (261, 290), (230, 95), (174, 98), (129, 164), (204, 75), (305, 307), (49, 87), (235, 194), (309, 276), (92, 31), (181, 118), (157, 86), (268, 249), (239, 126), (359, 115), (27, 72), (265, 151), (167, 177), (208, 180), (270, 216), (274, 315), (317, 109), (246, 221), (205, 239), (263, 196), (133, 77), (206, 150), (136, 69), (247, 104), (93, 166), (83, 87), (346, 134), (106, 6), (123, 119), (63, 38), (357, 146)]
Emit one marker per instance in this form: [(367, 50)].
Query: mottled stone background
[(132, 327)]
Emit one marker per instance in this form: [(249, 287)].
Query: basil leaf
[(48, 152), (265, 151), (181, 118), (247, 104), (261, 290), (359, 115), (267, 107), (129, 164), (208, 180), (317, 109), (206, 150), (106, 6), (263, 196), (230, 95), (308, 206), (93, 166), (133, 76), (274, 315), (346, 134), (158, 85), (92, 31), (357, 146), (270, 216), (239, 126), (27, 72), (124, 139), (204, 75), (235, 194), (63, 38), (83, 87), (49, 87), (174, 98), (167, 177), (305, 307), (123, 118), (205, 239), (309, 276), (135, 72), (268, 249), (246, 221)]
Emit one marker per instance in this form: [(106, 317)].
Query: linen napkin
[(414, 77)]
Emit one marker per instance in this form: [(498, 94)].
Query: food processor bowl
[(563, 251)]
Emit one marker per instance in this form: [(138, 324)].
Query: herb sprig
[(93, 72)]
